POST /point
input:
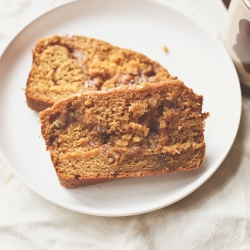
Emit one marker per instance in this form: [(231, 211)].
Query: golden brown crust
[(37, 104), (63, 66), (128, 131), (71, 182)]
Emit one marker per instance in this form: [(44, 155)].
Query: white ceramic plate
[(194, 56)]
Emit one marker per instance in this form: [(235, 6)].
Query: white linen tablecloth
[(216, 216)]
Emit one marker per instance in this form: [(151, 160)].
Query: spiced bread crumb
[(128, 131), (67, 65)]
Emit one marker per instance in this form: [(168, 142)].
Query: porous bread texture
[(64, 66), (128, 131)]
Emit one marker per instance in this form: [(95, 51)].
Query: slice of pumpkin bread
[(63, 66), (128, 131)]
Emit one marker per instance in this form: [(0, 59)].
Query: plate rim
[(208, 175)]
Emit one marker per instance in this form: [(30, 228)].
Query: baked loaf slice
[(128, 131), (64, 66)]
